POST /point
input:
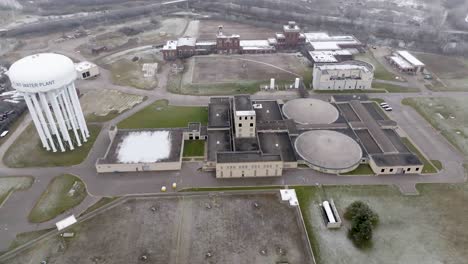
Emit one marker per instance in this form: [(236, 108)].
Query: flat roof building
[(406, 62), (142, 150), (347, 75)]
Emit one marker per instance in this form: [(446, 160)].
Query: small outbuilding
[(86, 70)]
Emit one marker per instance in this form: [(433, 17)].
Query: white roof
[(342, 67), (290, 196), (84, 65), (42, 72), (410, 58), (255, 44), (280, 35), (402, 64), (245, 113), (186, 41), (325, 46), (62, 224), (205, 43), (144, 147), (170, 45)]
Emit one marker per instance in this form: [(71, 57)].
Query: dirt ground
[(452, 71), (183, 229), (127, 72), (428, 228), (209, 28), (230, 69), (102, 102)]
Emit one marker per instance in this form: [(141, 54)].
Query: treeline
[(109, 17), (421, 37)]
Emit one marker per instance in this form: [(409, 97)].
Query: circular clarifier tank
[(310, 111), (329, 151)]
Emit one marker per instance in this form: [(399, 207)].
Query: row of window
[(251, 124), (404, 170), (245, 117), (256, 166)]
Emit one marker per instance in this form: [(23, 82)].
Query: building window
[(382, 170), (240, 124), (245, 118), (251, 118), (417, 169), (251, 124), (408, 169), (240, 117), (391, 170)]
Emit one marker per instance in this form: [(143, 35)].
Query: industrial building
[(406, 62), (46, 81), (263, 138), (329, 56), (86, 70), (347, 75), (291, 38)]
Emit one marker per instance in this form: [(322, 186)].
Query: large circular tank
[(42, 72), (328, 151), (310, 111), (46, 82)]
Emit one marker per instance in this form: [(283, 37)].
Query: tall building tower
[(244, 117), (46, 81)]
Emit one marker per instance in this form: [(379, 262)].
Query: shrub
[(363, 220)]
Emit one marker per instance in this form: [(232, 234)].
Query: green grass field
[(194, 148), (434, 217), (14, 183), (447, 115), (27, 151), (160, 115), (394, 88), (25, 237), (58, 198), (380, 72)]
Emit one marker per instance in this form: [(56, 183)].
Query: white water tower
[(46, 81)]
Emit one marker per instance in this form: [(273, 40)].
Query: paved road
[(13, 214)]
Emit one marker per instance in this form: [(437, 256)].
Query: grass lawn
[(93, 118), (428, 167), (450, 69), (25, 237), (436, 216), (222, 89), (103, 201), (363, 169), (63, 193), (160, 115), (394, 88), (27, 151), (380, 72), (128, 73), (14, 183), (194, 148), (447, 115)]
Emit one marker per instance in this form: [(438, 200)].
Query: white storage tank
[(46, 81)]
